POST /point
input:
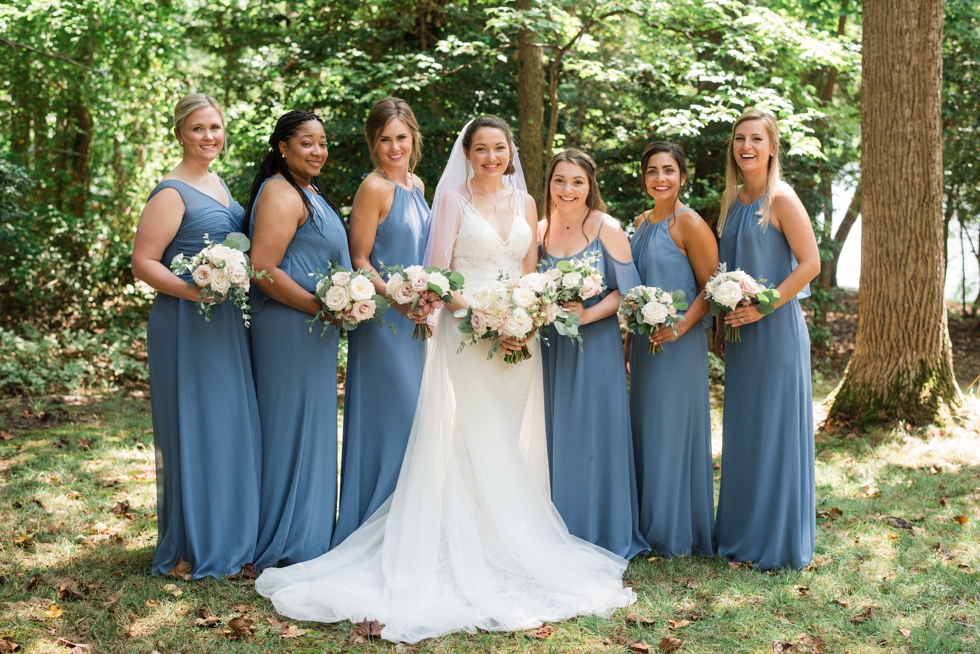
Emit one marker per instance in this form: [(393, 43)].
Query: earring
[(284, 156)]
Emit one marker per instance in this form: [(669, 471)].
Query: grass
[(77, 518)]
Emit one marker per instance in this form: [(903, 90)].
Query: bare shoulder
[(785, 201), (530, 206), (606, 223), (167, 200), (689, 219), (639, 219), (418, 182), (375, 184), (281, 193)]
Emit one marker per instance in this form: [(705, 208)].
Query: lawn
[(897, 567)]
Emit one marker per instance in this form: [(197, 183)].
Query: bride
[(469, 539)]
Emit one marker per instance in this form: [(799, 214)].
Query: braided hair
[(275, 164)]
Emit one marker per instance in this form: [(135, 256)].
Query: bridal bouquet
[(575, 280), (348, 297), (220, 271), (424, 289), (648, 308), (511, 307), (728, 290)]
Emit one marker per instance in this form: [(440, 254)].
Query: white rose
[(412, 271), (482, 300), (220, 253), (341, 277), (517, 324), (361, 288), (728, 294), (553, 274), (202, 275), (439, 280), (534, 281), (336, 298), (219, 281), (589, 287), (363, 310), (571, 280), (236, 273), (551, 313), (523, 297), (392, 284), (654, 313)]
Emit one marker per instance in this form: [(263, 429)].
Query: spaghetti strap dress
[(205, 418)]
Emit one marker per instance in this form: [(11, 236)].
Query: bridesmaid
[(387, 227), (593, 483), (205, 419), (673, 248), (295, 231), (766, 506)]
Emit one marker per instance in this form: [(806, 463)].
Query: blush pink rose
[(363, 310), (404, 294), (202, 275)]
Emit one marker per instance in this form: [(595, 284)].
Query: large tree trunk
[(530, 109), (902, 366)]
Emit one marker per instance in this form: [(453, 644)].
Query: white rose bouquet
[(348, 297), (575, 280), (648, 308), (424, 289), (220, 271), (727, 290), (511, 307)]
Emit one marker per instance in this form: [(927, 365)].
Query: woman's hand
[(513, 344), (666, 334), (575, 308), (742, 316), (406, 310)]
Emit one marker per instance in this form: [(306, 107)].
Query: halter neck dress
[(205, 419), (296, 384), (590, 447), (670, 411), (384, 373), (766, 507)]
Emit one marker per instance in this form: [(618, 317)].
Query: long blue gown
[(296, 384), (766, 506), (590, 447), (670, 412), (384, 374), (205, 419)]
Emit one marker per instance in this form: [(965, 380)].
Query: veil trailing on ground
[(445, 216)]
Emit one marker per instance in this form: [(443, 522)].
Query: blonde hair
[(380, 116), (733, 174), (191, 103)]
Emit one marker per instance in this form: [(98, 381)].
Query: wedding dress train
[(469, 539)]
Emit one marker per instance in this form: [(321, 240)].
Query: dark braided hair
[(275, 164)]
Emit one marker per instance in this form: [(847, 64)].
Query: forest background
[(87, 91)]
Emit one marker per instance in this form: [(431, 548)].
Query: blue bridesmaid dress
[(296, 384), (766, 506), (205, 418), (670, 412), (384, 374), (590, 447)]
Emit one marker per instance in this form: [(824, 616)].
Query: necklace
[(488, 199), (587, 212)]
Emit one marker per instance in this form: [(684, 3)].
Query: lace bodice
[(479, 253)]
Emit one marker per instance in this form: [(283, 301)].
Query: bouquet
[(220, 271), (728, 290), (425, 290), (511, 307), (348, 297), (648, 308), (575, 280)]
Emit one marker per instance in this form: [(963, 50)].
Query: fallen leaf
[(962, 519), (830, 514), (54, 611), (670, 644), (678, 624), (248, 571), (943, 552), (639, 646), (403, 648), (779, 647), (813, 644), (292, 631), (32, 583), (871, 490), (243, 608), (892, 537), (863, 615), (181, 570), (121, 508), (369, 628), (802, 590), (276, 623), (241, 628), (7, 645), (7, 436), (904, 632), (354, 637), (654, 559), (542, 632), (85, 444), (965, 568), (898, 523), (67, 590), (24, 540), (639, 619), (691, 584), (152, 602)]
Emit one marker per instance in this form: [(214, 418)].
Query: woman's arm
[(157, 227), (618, 247), (279, 212)]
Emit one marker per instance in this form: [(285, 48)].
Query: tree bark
[(530, 109), (853, 211), (902, 366)]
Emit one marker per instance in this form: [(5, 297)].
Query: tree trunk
[(853, 211), (902, 366), (81, 167), (530, 109)]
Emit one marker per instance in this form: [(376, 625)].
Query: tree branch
[(51, 55)]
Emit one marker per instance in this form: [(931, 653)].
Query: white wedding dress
[(469, 539)]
